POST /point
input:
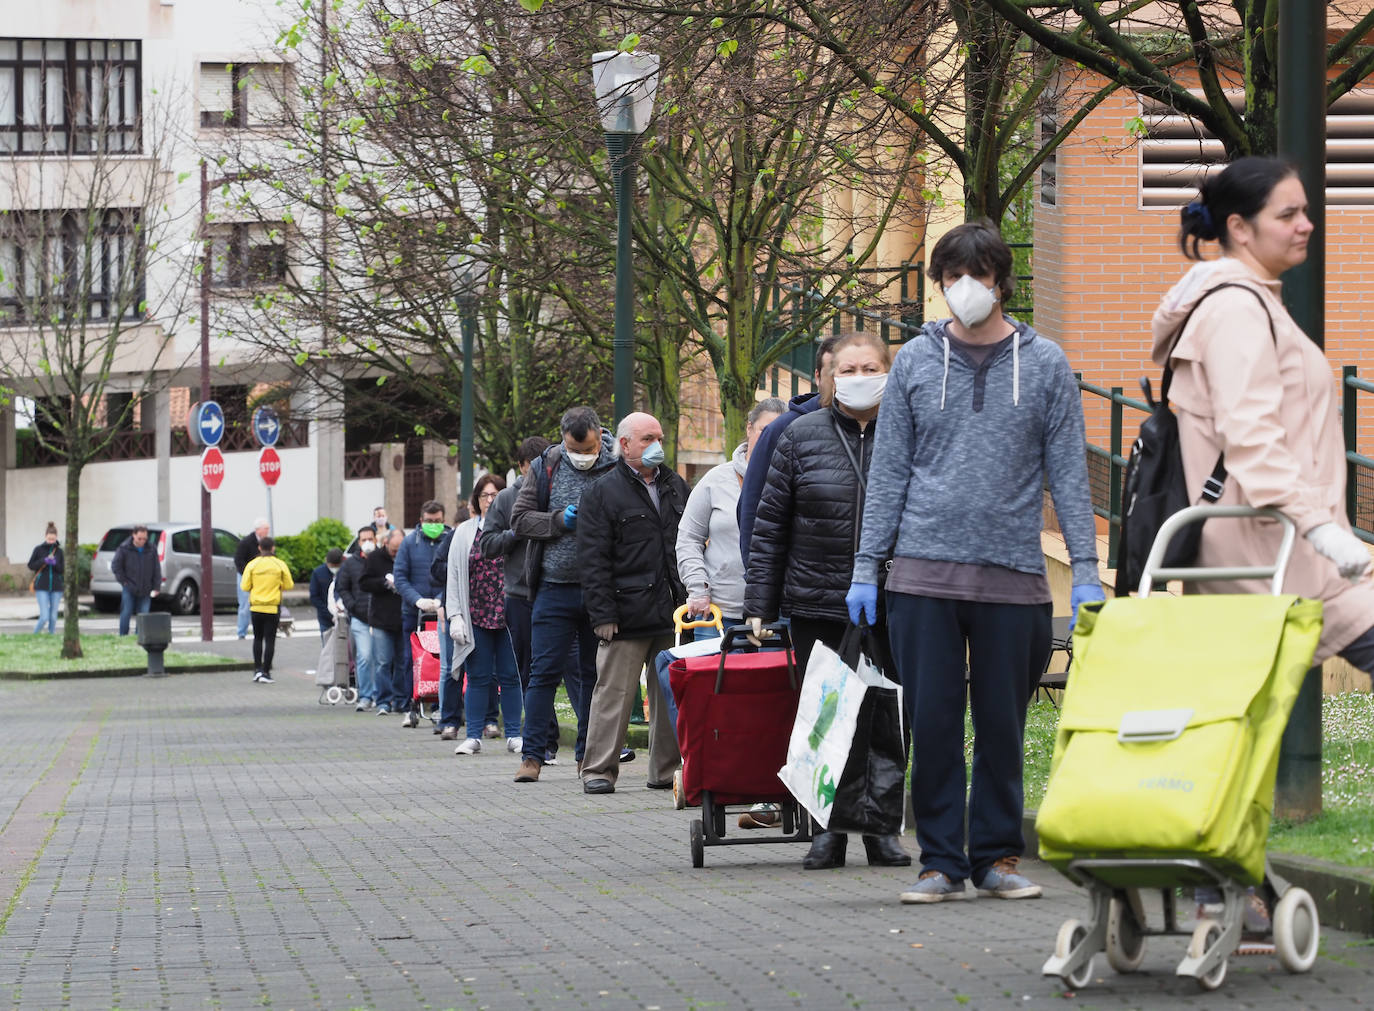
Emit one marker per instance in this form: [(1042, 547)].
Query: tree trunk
[(71, 629)]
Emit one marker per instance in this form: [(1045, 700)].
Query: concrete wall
[(360, 498)]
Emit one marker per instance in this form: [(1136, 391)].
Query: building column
[(159, 405), (7, 462), (324, 402)]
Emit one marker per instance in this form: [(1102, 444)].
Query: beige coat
[(1275, 416)]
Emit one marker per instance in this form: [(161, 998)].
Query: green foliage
[(330, 533), (304, 552), (85, 553)]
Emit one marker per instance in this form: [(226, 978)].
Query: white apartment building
[(160, 81)]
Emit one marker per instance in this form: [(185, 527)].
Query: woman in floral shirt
[(475, 602)]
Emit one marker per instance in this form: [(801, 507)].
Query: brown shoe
[(529, 772), (448, 734), (760, 816)]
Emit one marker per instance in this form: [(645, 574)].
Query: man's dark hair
[(138, 527), (532, 449), (432, 507), (977, 248), (334, 556), (578, 422), (824, 348), (367, 530), (266, 545)]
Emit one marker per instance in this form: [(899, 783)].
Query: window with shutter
[(1176, 152), (218, 102), (264, 94)]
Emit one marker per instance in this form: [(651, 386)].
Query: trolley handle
[(712, 620), (781, 634), (1193, 514)]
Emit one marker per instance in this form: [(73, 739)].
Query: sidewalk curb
[(123, 672), (1344, 895)]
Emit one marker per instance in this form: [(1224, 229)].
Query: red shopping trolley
[(425, 671)]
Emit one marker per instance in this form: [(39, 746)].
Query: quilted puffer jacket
[(801, 554)]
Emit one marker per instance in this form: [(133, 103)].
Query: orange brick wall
[(1103, 263)]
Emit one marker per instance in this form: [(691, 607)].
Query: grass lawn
[(42, 654), (1343, 833)]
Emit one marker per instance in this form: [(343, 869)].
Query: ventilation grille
[(1177, 151)]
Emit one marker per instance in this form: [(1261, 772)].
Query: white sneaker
[(469, 747), (515, 744), (263, 678)]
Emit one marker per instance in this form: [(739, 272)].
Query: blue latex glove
[(1087, 593), (570, 516), (862, 600)]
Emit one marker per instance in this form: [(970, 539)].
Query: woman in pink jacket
[(1249, 383)]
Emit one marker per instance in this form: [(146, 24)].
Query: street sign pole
[(207, 591), (1302, 139)]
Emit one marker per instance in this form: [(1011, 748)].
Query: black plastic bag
[(870, 796)]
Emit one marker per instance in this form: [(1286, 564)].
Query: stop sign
[(211, 468), (269, 466)]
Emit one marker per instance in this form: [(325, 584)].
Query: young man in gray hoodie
[(978, 413)]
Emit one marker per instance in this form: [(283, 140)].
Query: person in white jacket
[(474, 601)]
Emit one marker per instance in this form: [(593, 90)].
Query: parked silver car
[(178, 549)]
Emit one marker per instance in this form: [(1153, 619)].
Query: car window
[(114, 538), (186, 542), (226, 544)]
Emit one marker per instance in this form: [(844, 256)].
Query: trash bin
[(155, 635)]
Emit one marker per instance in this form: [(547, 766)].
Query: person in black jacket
[(627, 555), (384, 622), (246, 552), (46, 564), (320, 579), (807, 528), (357, 604), (136, 568)]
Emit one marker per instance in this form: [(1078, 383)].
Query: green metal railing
[(1359, 469)]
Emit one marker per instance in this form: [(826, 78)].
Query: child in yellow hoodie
[(264, 579)]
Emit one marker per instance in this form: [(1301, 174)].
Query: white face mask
[(970, 300), (582, 461), (860, 392), (367, 547)]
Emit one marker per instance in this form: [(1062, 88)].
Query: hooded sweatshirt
[(708, 549), (1267, 400), (962, 452), (538, 512)]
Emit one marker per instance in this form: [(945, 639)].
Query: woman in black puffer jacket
[(807, 530)]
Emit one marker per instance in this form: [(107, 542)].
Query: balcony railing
[(135, 444), (362, 465)]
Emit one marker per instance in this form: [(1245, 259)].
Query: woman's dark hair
[(1243, 188), (975, 247), (496, 480)]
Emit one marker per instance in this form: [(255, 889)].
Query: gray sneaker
[(1002, 881), (934, 886)]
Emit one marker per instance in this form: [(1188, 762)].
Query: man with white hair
[(627, 554), (247, 551)]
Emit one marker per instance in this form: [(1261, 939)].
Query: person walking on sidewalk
[(357, 603), (808, 517), (627, 555), (980, 412), (245, 553), (475, 604), (264, 579), (384, 622), (45, 562), (138, 572), (545, 515)]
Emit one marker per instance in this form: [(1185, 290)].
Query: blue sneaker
[(1002, 881), (934, 886)]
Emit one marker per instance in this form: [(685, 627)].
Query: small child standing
[(264, 579)]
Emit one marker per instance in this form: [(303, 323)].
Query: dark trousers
[(559, 625), (1006, 645), (405, 674), (264, 639), (519, 616)]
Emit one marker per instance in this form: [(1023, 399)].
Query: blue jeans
[(662, 661), (405, 672), (48, 601), (361, 637), (559, 624), (519, 613), (386, 663), (492, 661), (128, 605), (245, 618), (450, 690)]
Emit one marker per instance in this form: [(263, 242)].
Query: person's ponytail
[(1243, 188)]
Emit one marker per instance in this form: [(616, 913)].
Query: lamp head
[(625, 86)]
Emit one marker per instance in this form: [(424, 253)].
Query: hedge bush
[(305, 551)]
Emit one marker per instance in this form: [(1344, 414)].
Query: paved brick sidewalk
[(203, 842)]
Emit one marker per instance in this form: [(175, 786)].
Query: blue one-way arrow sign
[(266, 426), (209, 422)]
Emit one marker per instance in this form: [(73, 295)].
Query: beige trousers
[(618, 665)]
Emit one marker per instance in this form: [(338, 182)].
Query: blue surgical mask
[(653, 455)]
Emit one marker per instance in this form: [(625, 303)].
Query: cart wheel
[(1070, 933), (333, 695), (1296, 930), (698, 838), (411, 721), (350, 695), (1125, 938), (1206, 934), (679, 794)]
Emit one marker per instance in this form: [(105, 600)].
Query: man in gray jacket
[(979, 411)]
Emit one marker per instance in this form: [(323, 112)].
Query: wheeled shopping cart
[(1165, 759), (735, 715), (425, 671), (334, 673)]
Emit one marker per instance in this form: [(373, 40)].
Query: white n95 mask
[(582, 461), (860, 392), (970, 300)]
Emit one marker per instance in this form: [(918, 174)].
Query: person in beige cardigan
[(1266, 398)]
